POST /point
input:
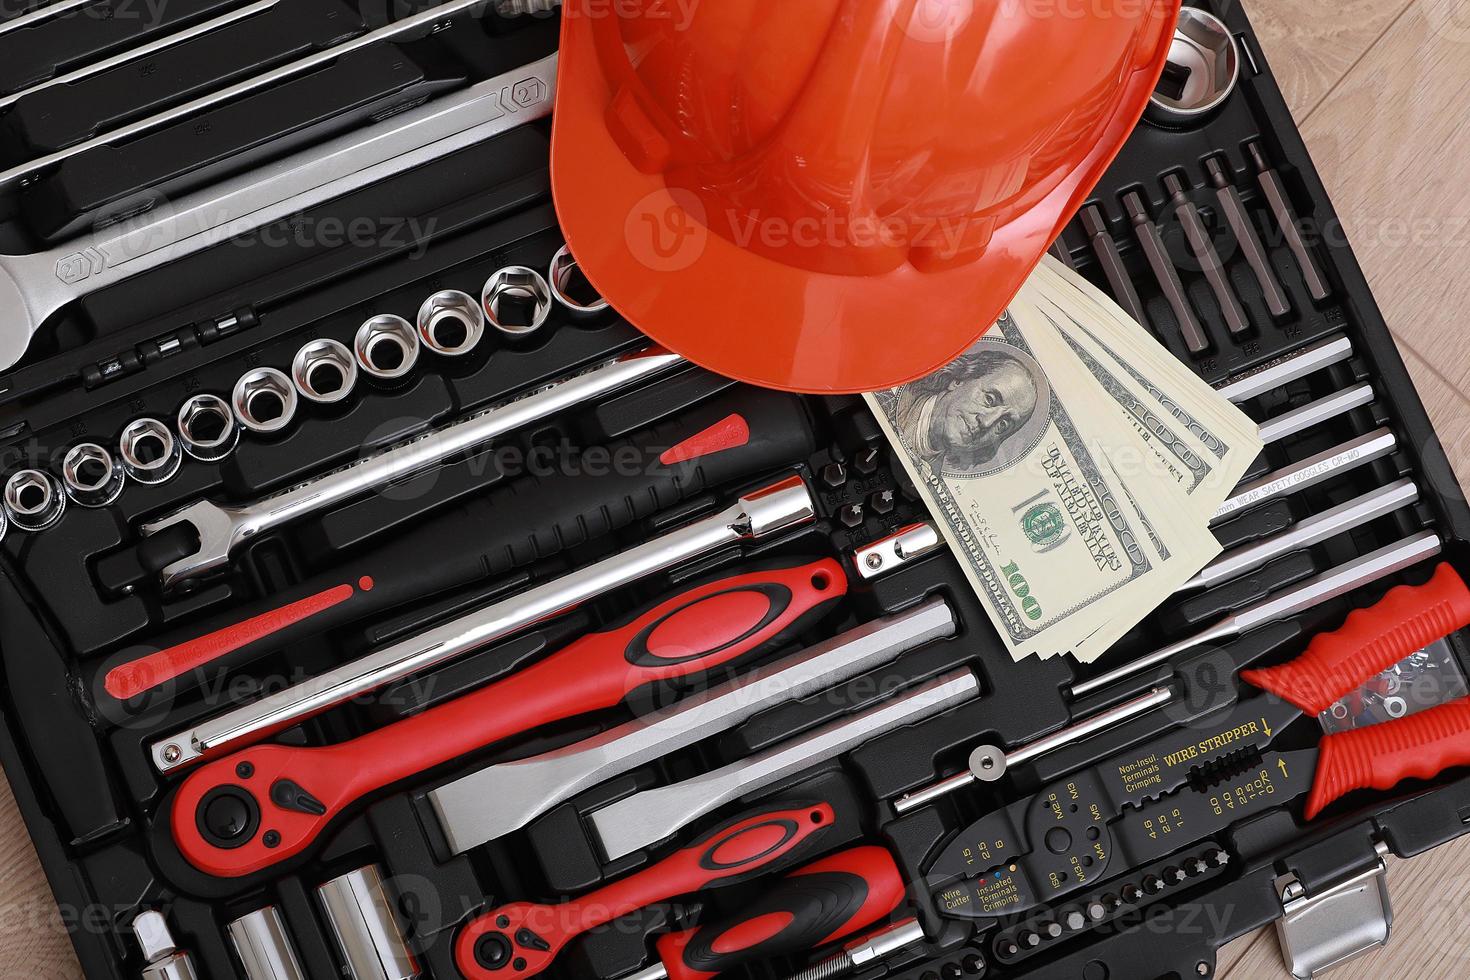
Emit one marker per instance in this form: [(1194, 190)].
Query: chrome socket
[(264, 400), (516, 301), (33, 500), (570, 287), (207, 428), (450, 323), (1203, 70), (386, 348), (91, 476), (324, 371), (149, 451)]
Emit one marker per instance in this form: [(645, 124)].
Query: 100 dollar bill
[(1042, 527)]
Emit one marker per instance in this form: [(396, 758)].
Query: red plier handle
[(1370, 641)]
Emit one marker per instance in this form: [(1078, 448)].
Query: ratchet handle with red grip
[(1369, 641), (1381, 756), (522, 939), (817, 904), (733, 437), (261, 805)]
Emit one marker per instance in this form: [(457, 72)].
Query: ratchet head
[(205, 535)]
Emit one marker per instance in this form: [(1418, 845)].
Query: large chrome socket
[(207, 428), (324, 371), (264, 400), (368, 934), (516, 301), (91, 476), (1202, 71), (570, 287), (33, 500), (386, 348), (149, 451), (450, 323)]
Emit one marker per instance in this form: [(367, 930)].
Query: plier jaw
[(1196, 781)]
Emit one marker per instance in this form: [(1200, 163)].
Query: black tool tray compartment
[(82, 596)]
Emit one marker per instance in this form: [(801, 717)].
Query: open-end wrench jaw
[(19, 323), (217, 530)]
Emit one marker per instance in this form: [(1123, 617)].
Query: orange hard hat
[(835, 195)]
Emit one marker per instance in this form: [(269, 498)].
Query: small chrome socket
[(91, 476), (516, 301), (386, 348), (450, 323), (324, 371), (207, 428), (150, 453), (264, 400), (33, 500), (570, 287)]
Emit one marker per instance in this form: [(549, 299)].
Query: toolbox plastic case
[(77, 596)]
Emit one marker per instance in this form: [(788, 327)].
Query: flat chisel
[(296, 791), (648, 817), (499, 799)]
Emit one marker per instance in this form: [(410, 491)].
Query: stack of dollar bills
[(1073, 465)]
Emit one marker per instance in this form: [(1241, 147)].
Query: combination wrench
[(221, 528), (35, 286)]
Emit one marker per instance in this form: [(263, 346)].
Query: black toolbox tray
[(74, 597)]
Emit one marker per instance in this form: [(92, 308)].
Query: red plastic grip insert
[(1369, 641), (819, 903), (1381, 756), (522, 939)]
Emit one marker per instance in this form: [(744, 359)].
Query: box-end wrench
[(764, 512), (295, 792), (219, 529), (645, 818), (1310, 471), (502, 798), (1314, 591), (36, 285)]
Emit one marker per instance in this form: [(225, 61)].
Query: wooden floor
[(1381, 89)]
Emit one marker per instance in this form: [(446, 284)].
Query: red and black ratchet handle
[(259, 806), (730, 438), (523, 938), (812, 906), (1370, 640)]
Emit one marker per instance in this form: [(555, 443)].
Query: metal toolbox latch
[(1340, 923)]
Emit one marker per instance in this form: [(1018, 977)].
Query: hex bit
[(1165, 273), (1206, 255)]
